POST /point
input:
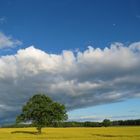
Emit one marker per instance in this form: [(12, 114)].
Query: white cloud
[(95, 76), (8, 41), (2, 20)]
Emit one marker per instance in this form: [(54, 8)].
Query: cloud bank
[(100, 118), (92, 77), (7, 41)]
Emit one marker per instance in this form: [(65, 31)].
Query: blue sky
[(53, 26), (69, 24)]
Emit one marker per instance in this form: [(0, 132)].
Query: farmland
[(102, 133)]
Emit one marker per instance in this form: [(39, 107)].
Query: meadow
[(102, 133)]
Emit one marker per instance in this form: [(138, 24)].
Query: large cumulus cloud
[(94, 76)]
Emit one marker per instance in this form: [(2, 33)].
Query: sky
[(82, 53)]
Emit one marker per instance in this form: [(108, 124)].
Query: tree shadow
[(25, 132)]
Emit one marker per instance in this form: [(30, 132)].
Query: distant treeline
[(104, 123)]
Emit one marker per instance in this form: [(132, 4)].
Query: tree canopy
[(106, 122), (41, 111)]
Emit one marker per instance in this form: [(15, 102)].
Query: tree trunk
[(39, 130)]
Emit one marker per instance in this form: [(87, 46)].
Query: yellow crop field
[(109, 133)]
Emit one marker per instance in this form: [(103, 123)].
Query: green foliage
[(79, 124), (42, 111), (106, 122)]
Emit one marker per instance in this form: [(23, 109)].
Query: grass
[(109, 133)]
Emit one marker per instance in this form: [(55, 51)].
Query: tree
[(106, 122), (42, 111)]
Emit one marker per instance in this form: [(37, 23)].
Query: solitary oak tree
[(42, 111)]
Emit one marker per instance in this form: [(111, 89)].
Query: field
[(109, 133)]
